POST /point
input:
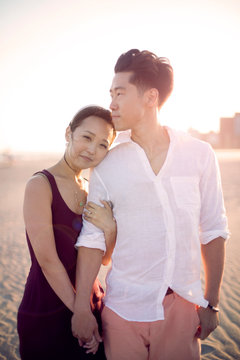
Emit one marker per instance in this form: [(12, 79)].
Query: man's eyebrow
[(117, 88)]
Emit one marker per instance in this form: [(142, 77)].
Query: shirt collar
[(122, 137), (125, 136)]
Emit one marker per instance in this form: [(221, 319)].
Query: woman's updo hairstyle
[(92, 110)]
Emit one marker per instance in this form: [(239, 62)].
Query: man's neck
[(150, 135)]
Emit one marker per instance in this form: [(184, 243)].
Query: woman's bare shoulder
[(38, 184)]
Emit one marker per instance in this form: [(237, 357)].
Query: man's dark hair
[(148, 71)]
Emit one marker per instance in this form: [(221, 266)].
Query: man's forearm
[(84, 324), (213, 255), (110, 239), (88, 265)]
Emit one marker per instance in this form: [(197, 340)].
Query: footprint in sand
[(206, 349)]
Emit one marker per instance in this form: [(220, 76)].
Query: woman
[(54, 204)]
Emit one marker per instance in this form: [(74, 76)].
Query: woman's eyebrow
[(91, 133)]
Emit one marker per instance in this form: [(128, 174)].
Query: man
[(167, 200)]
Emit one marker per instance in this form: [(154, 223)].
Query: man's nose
[(113, 105)]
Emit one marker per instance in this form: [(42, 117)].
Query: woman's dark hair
[(148, 71), (91, 110)]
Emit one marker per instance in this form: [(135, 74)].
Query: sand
[(223, 344)]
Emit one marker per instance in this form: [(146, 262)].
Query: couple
[(165, 190)]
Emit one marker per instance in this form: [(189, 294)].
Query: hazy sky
[(57, 56)]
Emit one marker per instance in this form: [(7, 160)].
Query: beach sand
[(223, 344)]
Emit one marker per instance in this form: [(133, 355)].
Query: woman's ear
[(68, 134)]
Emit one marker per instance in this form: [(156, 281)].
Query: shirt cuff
[(208, 236), (93, 241)]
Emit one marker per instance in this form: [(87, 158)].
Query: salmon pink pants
[(169, 339)]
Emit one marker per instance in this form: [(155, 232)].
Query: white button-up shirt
[(161, 221)]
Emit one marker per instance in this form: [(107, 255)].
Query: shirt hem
[(130, 319)]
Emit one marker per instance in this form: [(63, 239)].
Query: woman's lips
[(86, 158)]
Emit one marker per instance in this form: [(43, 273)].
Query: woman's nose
[(91, 148)]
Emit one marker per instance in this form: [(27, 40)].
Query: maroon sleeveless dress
[(43, 321)]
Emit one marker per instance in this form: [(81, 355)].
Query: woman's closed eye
[(104, 146), (87, 137)]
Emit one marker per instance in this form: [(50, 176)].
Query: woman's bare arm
[(38, 223)]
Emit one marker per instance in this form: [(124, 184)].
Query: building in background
[(227, 138)]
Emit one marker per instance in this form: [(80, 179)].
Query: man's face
[(127, 103)]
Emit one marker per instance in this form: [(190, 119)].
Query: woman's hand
[(102, 217)]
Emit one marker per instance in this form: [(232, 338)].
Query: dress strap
[(50, 178)]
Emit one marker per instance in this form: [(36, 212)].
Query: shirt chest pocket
[(186, 191)]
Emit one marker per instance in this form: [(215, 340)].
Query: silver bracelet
[(213, 308)]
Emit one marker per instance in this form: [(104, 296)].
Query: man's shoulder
[(113, 157), (118, 149), (184, 139)]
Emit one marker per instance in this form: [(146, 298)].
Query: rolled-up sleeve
[(213, 220), (91, 236)]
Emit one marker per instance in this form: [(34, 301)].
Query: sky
[(57, 56)]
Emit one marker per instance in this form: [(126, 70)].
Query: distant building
[(229, 136), (210, 137)]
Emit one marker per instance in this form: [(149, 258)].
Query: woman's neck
[(69, 170)]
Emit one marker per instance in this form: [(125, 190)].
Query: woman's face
[(89, 143)]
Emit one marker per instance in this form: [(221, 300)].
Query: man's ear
[(151, 96), (68, 133)]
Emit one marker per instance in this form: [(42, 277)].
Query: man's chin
[(120, 127)]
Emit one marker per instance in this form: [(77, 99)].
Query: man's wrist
[(213, 308)]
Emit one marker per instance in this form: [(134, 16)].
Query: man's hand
[(85, 327), (91, 347), (209, 320)]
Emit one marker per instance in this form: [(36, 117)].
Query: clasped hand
[(85, 328)]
